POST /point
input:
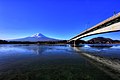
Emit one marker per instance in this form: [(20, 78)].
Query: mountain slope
[(36, 37)]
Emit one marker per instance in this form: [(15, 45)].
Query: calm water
[(112, 52), (55, 62)]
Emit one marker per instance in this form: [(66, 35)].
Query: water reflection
[(38, 49), (19, 62), (101, 45), (29, 49), (109, 66), (47, 50)]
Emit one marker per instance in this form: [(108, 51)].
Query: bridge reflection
[(112, 68)]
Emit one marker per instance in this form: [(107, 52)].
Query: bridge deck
[(107, 22)]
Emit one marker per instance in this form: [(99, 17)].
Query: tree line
[(37, 42)]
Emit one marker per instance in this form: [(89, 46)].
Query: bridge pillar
[(78, 43), (75, 43)]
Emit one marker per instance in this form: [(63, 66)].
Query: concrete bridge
[(111, 24)]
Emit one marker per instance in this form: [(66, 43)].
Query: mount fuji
[(35, 37)]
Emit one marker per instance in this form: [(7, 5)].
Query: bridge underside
[(111, 24), (112, 28)]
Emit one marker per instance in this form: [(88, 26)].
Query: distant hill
[(102, 40), (35, 37), (3, 41)]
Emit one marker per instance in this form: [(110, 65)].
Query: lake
[(53, 62)]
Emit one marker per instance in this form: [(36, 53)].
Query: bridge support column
[(75, 43)]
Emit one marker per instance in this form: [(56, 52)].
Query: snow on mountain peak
[(35, 37), (38, 35)]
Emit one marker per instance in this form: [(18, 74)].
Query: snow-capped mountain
[(38, 35), (35, 37)]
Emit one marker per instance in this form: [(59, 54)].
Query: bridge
[(111, 24)]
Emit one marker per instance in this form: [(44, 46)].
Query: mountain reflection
[(34, 49)]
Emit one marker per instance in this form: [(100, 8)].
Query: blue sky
[(60, 19)]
